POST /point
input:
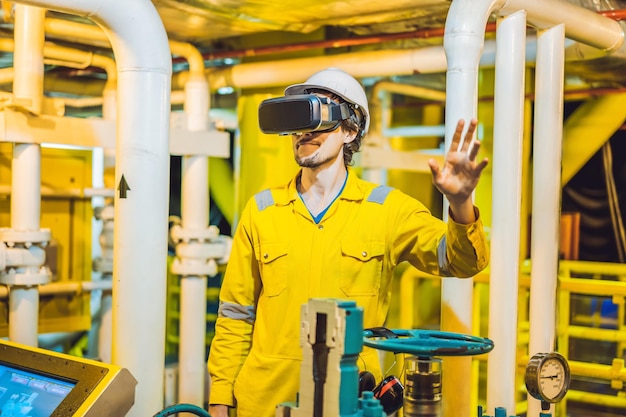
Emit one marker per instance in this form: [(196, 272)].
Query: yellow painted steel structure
[(267, 160), (605, 280), (67, 212), (588, 128)]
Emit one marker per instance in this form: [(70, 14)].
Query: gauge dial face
[(552, 378), (547, 377)]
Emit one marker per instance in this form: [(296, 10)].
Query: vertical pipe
[(194, 216), (548, 134), (506, 209), (27, 91), (26, 163), (105, 332), (140, 250), (144, 68), (463, 43)]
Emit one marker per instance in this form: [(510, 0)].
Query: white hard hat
[(340, 83)]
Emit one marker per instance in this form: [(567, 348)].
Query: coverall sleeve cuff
[(222, 394)]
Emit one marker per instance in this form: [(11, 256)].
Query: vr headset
[(301, 114)]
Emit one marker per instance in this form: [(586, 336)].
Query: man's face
[(315, 149)]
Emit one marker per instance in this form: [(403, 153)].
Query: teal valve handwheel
[(426, 342)]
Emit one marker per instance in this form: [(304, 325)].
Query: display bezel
[(85, 376)]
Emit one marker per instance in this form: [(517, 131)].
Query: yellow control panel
[(36, 382)]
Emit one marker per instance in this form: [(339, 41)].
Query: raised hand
[(460, 173)]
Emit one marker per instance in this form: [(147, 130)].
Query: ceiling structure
[(228, 32)]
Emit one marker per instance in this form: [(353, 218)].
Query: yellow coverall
[(281, 258)]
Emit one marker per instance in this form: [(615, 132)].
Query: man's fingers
[(482, 165), (474, 150), (469, 135), (456, 138)]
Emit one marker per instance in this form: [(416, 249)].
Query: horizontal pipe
[(597, 399), (74, 193), (593, 287), (580, 24), (591, 333), (66, 288)]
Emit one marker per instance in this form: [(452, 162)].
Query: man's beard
[(312, 161)]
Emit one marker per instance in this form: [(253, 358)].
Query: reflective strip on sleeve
[(379, 194), (442, 259), (237, 312), (264, 199)]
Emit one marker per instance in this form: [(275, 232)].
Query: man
[(329, 234)]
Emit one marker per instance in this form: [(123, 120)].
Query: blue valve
[(499, 412), (370, 406)]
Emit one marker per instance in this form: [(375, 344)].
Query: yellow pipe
[(592, 286), (588, 128), (408, 90), (70, 57), (596, 268), (598, 399), (75, 30), (591, 333), (191, 55), (615, 372)]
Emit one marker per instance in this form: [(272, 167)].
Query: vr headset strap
[(340, 112)]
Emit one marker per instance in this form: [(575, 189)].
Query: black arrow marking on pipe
[(123, 187)]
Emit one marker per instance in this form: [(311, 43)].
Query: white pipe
[(27, 91), (547, 139), (582, 25), (142, 160), (194, 216), (24, 306), (506, 210), (104, 320), (463, 43), (364, 64), (26, 164)]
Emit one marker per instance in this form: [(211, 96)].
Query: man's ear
[(350, 136)]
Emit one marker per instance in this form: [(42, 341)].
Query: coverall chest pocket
[(361, 267), (273, 265)]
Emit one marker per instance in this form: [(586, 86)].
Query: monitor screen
[(28, 394)]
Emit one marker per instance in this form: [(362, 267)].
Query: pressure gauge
[(547, 377)]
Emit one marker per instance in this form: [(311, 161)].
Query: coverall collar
[(353, 191)]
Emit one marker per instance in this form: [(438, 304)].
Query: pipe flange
[(103, 265), (21, 257), (105, 213), (195, 251), (183, 269), (36, 237), (180, 234), (26, 278)]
